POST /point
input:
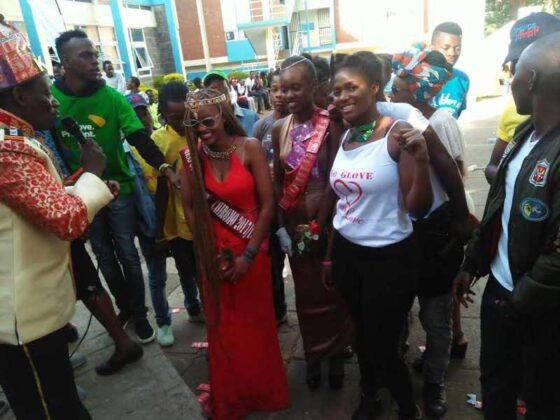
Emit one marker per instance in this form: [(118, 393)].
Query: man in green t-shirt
[(105, 116)]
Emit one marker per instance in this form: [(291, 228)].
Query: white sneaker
[(165, 336)]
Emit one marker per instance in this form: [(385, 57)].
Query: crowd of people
[(356, 176)]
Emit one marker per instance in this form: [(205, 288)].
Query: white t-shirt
[(405, 112), (448, 131), (451, 137), (249, 83), (370, 209), (500, 265), (117, 82), (413, 116)]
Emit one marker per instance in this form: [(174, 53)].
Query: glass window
[(111, 53), (92, 33), (137, 35), (143, 57), (143, 60), (107, 34)]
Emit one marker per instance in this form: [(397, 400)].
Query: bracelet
[(250, 251), (163, 167), (326, 263), (249, 254)]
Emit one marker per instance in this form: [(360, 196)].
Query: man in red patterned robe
[(38, 218)]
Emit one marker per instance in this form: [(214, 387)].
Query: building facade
[(140, 37), (258, 34)]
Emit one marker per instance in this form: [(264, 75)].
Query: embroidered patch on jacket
[(533, 209), (538, 177)]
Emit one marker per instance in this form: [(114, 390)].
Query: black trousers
[(277, 258), (38, 380), (518, 358), (378, 286), (500, 357), (86, 278)]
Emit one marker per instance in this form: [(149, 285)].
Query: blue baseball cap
[(136, 100), (527, 30)]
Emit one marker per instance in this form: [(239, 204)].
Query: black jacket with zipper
[(533, 225)]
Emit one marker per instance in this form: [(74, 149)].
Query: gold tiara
[(193, 103)]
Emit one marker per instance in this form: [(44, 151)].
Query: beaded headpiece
[(194, 101), (17, 62)]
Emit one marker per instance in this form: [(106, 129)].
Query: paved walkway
[(160, 385), (149, 389), (479, 125)]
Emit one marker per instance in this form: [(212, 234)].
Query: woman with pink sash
[(305, 144)]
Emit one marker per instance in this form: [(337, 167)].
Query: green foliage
[(238, 74), (500, 12), (158, 81), (173, 77)]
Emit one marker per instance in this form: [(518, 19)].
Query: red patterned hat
[(17, 62)]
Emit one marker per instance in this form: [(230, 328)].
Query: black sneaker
[(124, 318), (369, 408), (144, 331), (196, 315), (3, 407), (417, 415), (435, 400)]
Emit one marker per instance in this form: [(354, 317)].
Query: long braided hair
[(204, 239)]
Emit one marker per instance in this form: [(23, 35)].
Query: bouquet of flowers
[(306, 235)]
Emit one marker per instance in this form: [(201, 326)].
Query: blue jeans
[(112, 235), (183, 254), (156, 260), (435, 316)]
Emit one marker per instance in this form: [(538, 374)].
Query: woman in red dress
[(228, 201)]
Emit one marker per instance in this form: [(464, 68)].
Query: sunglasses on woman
[(207, 122)]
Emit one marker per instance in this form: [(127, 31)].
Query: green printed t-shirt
[(106, 117)]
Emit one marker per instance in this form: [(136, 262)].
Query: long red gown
[(246, 368)]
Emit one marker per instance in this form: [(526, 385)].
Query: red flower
[(314, 227)]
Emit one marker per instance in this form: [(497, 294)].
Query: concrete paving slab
[(164, 387)]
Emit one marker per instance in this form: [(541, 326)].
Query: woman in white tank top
[(380, 176)]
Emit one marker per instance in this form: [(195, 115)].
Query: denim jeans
[(156, 260), (183, 254), (435, 316), (112, 235)]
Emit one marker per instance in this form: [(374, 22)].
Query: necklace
[(362, 133), (219, 155)]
